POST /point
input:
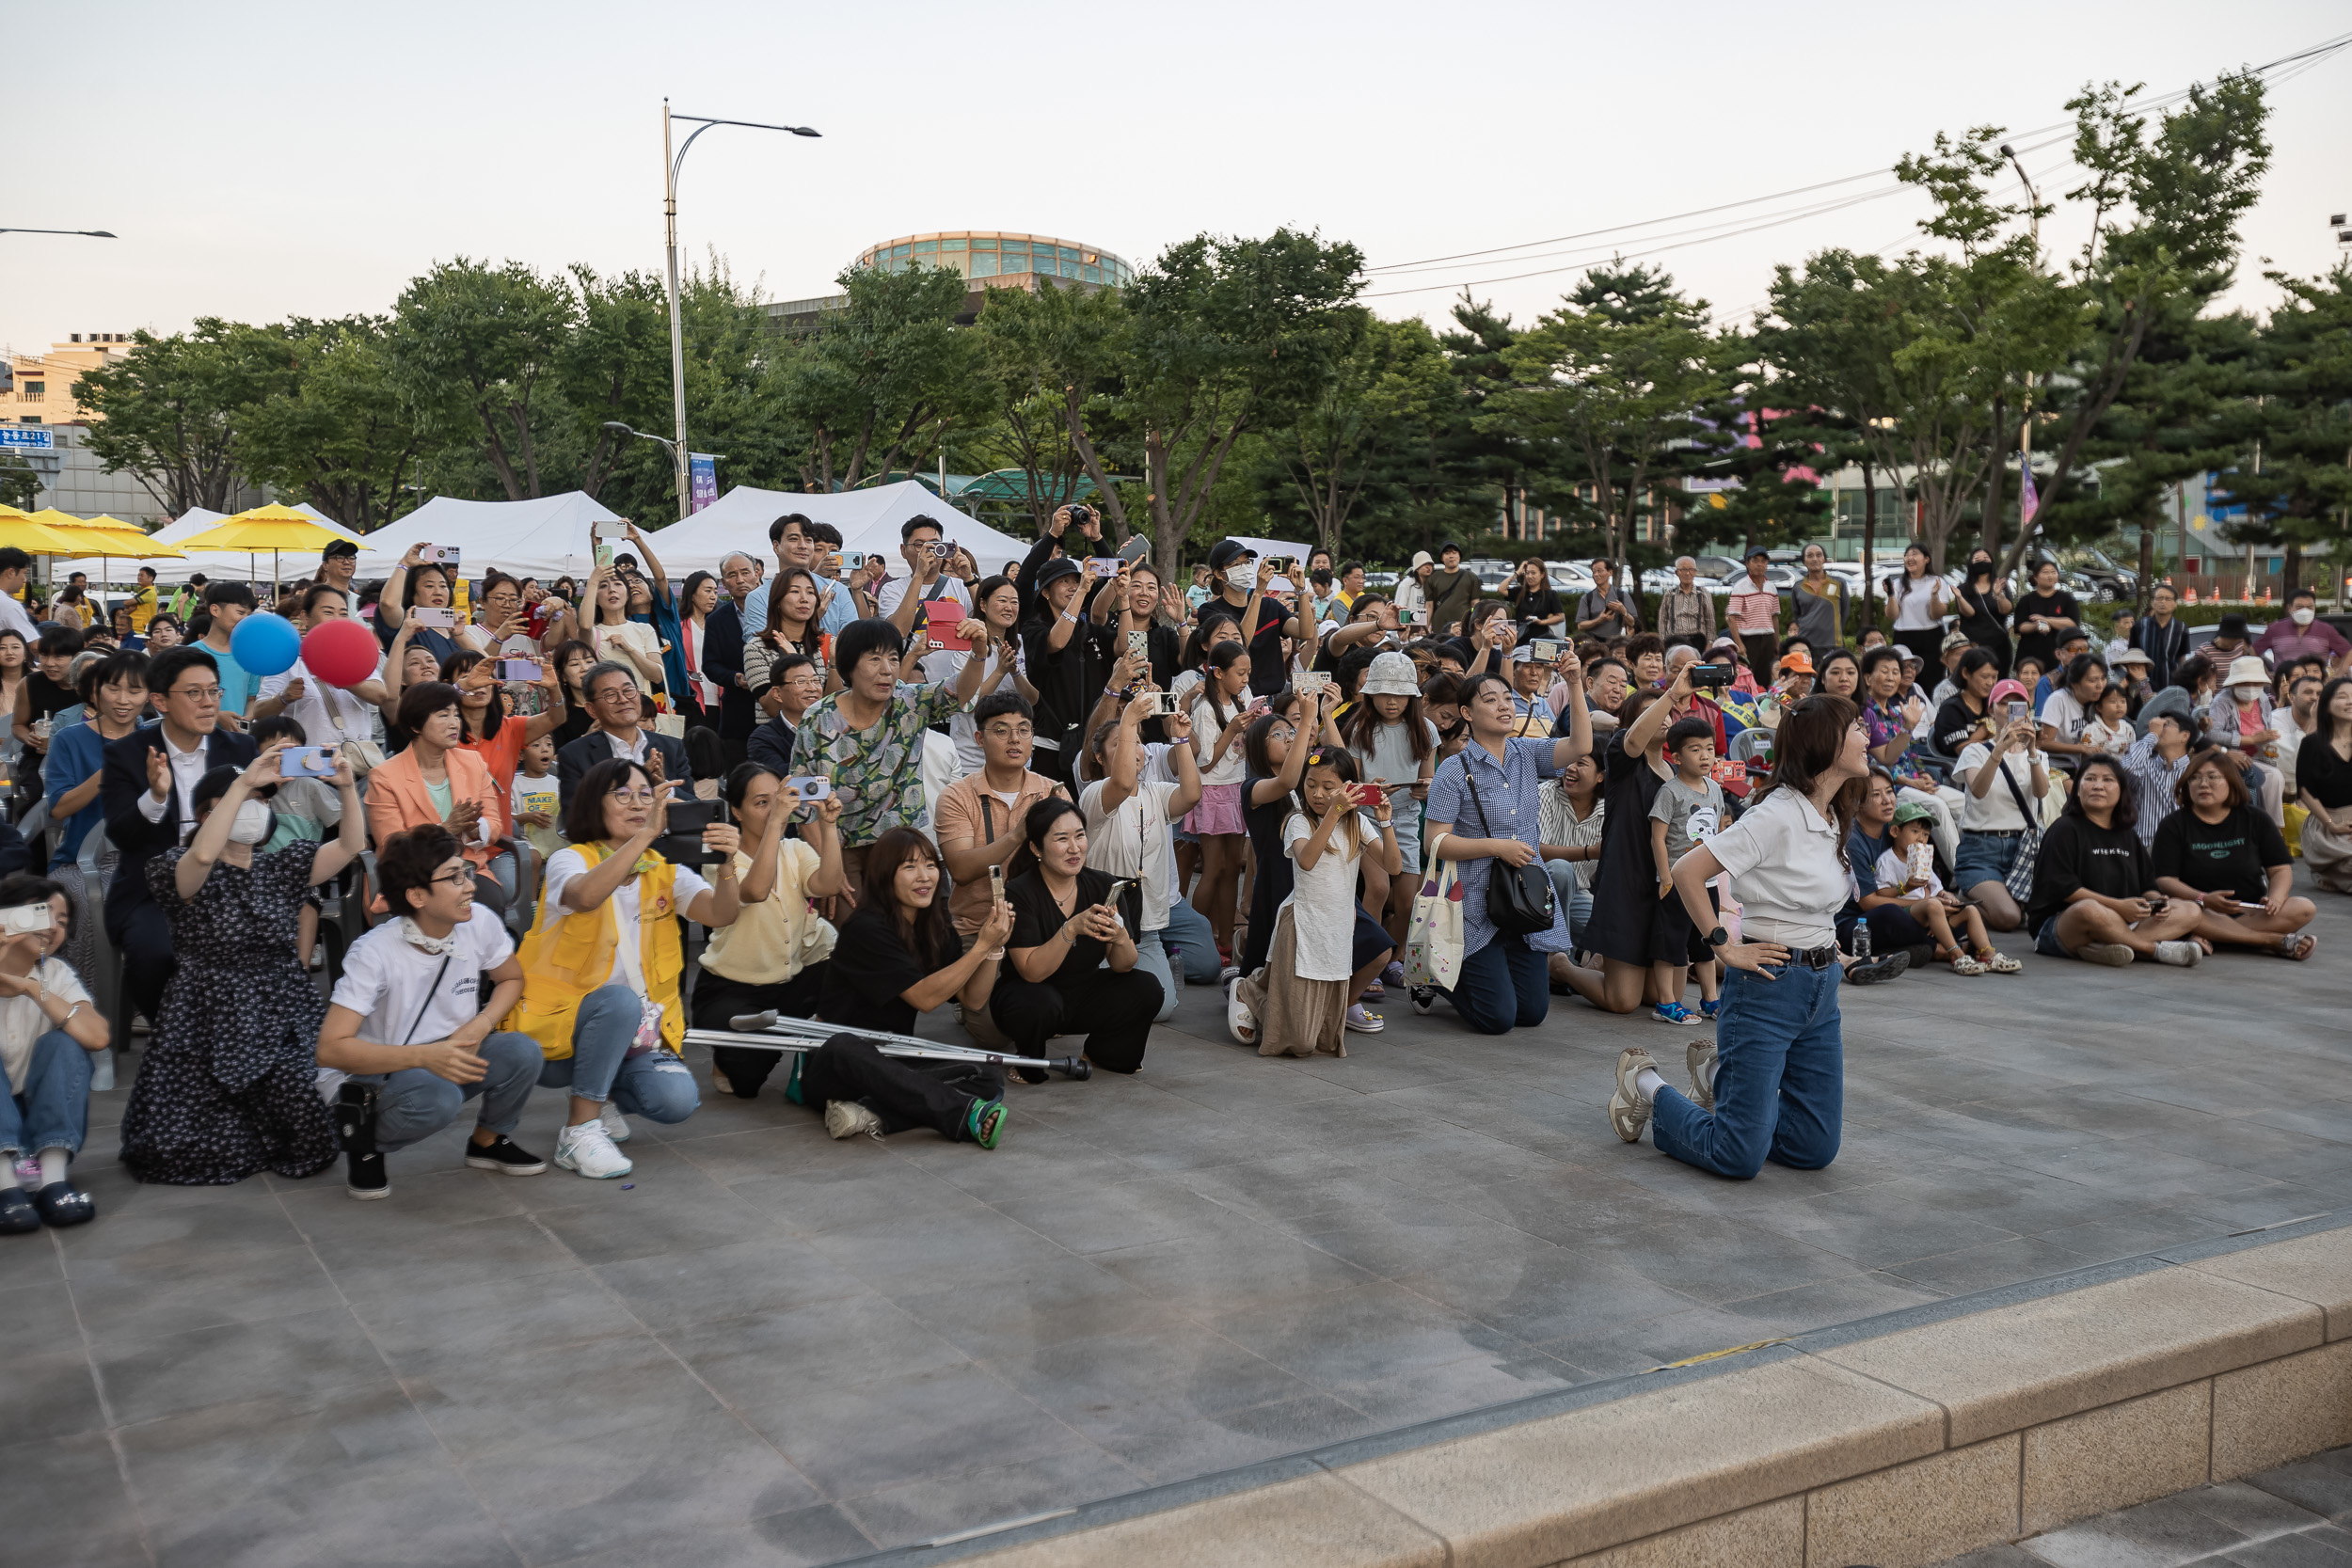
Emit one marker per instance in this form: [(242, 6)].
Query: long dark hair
[(931, 933), (2327, 729), (1363, 722), (1809, 740), (494, 716), (694, 582), (560, 656), (1219, 659), (773, 631), (1341, 761), (1034, 824)]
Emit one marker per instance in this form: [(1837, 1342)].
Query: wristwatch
[(1717, 937)]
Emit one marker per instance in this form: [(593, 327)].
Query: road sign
[(27, 438)]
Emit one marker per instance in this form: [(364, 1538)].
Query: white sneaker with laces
[(2186, 955), (847, 1119), (588, 1149), (615, 1124)]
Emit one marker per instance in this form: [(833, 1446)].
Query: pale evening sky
[(261, 161)]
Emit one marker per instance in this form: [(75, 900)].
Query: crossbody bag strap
[(431, 992), (1484, 831), (2033, 817)]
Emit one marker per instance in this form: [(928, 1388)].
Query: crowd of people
[(559, 823)]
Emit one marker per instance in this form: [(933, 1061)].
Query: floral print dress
[(877, 773)]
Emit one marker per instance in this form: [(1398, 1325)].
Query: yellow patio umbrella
[(34, 537), (272, 528), (127, 541)]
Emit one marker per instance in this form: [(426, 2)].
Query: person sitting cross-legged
[(1907, 881), (408, 1020), (2220, 855), (2094, 894)]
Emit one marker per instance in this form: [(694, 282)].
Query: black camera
[(1081, 515)]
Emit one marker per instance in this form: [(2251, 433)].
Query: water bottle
[(1862, 936)]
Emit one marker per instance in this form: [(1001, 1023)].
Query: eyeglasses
[(617, 694), (458, 874), (200, 693)]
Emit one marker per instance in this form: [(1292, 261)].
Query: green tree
[(1053, 363), (170, 412), (1231, 337), (613, 363), (2294, 476), (19, 486), (335, 431), (1605, 395), (476, 352), (878, 387)]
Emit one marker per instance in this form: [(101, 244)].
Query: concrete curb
[(1897, 1440)]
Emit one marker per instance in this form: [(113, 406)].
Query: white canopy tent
[(869, 520), (544, 537), (216, 565)]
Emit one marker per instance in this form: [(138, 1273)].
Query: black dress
[(230, 1085), (1116, 1010), (1272, 883), (1625, 888)]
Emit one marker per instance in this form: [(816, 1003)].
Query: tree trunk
[(1870, 541), (2147, 565), (2293, 573), (1997, 471)]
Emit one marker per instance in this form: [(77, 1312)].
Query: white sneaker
[(847, 1119), (615, 1124), (2113, 954), (588, 1149), (2187, 954)]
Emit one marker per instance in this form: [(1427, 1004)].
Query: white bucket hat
[(1391, 675)]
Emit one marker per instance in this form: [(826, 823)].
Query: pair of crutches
[(767, 1031)]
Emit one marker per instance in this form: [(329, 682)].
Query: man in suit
[(722, 654), (614, 706), (149, 789)]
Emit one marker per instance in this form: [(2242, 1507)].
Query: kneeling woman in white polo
[(601, 967), (1771, 1083)]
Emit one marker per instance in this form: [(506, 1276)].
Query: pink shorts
[(1219, 811)]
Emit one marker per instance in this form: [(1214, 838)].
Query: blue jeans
[(656, 1085), (1188, 931), (1506, 985), (1780, 1078), (1152, 958), (413, 1104), (1580, 903), (53, 1110)]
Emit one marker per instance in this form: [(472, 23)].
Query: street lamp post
[(85, 233), (670, 162)]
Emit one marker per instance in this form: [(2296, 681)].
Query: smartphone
[(1140, 645), (444, 555), (519, 670), (833, 562), (960, 636), (2016, 710), (24, 919), (807, 788), (1713, 675), (1548, 651), (438, 620), (1313, 683), (1104, 566), (1134, 550), (1119, 889), (682, 843), (1165, 705), (1420, 620), (307, 762), (604, 553), (939, 549), (1366, 794), (996, 883), (611, 528)]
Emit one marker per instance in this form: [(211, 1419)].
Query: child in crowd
[(1394, 744), (1907, 870), (1297, 1004), (2110, 727), (50, 1031), (1687, 811), (536, 795)]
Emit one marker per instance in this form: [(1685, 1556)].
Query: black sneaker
[(503, 1153), (1871, 972), (367, 1178), (1424, 998)]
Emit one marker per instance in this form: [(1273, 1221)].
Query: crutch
[(769, 1032)]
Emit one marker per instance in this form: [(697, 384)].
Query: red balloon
[(340, 653)]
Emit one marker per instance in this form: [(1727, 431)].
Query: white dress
[(1322, 904)]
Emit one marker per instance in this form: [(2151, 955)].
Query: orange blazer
[(398, 800)]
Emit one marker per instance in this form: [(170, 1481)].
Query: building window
[(898, 250), (1016, 261), (983, 266), (28, 419), (922, 246), (951, 244), (984, 245), (36, 390), (1068, 254), (1089, 275)]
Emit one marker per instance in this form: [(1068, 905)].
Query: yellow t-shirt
[(774, 939), (142, 610)]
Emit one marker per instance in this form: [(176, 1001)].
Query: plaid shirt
[(1681, 614)]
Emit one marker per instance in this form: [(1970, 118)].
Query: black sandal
[(18, 1217), (62, 1203)]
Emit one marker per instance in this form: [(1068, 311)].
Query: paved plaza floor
[(767, 1347), (2290, 1517)]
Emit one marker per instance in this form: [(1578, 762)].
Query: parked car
[(2110, 581)]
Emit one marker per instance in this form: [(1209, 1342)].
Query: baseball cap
[(339, 547), (1955, 640), (1797, 662), (1912, 811), (2004, 691), (1226, 551)]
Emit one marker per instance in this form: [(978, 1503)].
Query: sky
[(261, 161)]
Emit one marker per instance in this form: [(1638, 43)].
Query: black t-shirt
[(870, 969), (48, 698), (1066, 682), (2078, 853), (1267, 672), (1036, 921), (2044, 644), (2326, 775), (1540, 605), (1974, 606), (2227, 856), (1956, 725)]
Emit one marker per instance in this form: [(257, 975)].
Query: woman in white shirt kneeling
[(601, 966), (1771, 1086)]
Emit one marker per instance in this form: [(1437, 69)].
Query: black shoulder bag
[(1520, 899)]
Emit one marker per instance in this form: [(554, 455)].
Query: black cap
[(1060, 567), (340, 547), (2230, 625), (1759, 553), (1226, 551)]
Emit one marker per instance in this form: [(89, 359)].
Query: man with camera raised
[(408, 1020)]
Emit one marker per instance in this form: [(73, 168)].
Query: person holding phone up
[(229, 1083), (2002, 781), (1073, 959)]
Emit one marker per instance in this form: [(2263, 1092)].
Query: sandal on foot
[(2296, 944), (18, 1217), (62, 1203)]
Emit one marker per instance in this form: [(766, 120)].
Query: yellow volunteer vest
[(566, 956)]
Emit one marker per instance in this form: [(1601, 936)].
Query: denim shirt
[(1508, 793)]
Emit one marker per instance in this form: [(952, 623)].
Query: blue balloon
[(265, 644)]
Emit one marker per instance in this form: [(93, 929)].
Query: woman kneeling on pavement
[(1771, 1086), (2094, 894), (601, 966), (899, 957), (773, 958)]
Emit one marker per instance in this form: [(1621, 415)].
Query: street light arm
[(89, 233), (705, 123)]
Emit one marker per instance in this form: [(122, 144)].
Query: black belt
[(1814, 958), (1993, 832)]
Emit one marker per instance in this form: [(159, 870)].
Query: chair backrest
[(94, 846), (1748, 743)]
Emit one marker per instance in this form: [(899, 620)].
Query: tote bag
[(1432, 939)]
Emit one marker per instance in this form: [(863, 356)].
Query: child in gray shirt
[(1687, 811)]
